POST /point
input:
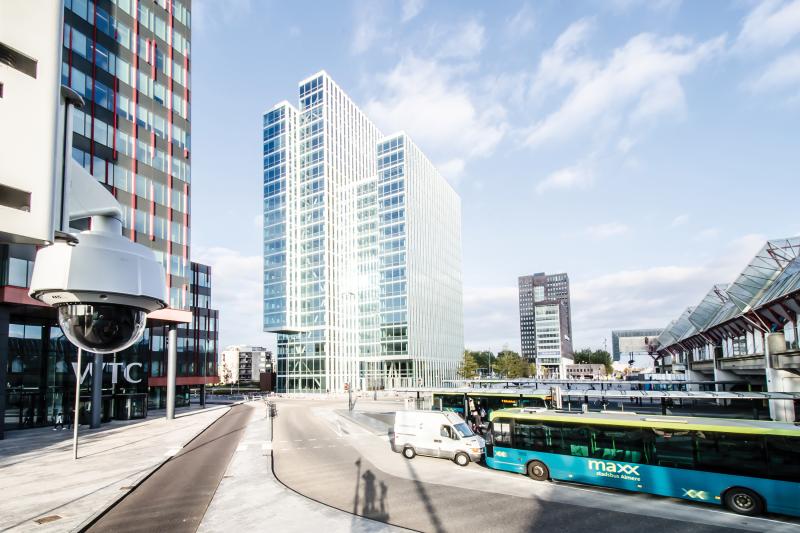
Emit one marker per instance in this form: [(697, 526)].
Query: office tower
[(545, 322), (130, 62), (362, 250)]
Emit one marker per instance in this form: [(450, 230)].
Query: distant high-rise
[(545, 322), (362, 250)]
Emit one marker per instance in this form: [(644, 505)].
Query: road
[(175, 497), (329, 459)]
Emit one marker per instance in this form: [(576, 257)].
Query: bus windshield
[(463, 430)]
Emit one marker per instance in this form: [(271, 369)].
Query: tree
[(596, 357), (511, 365), (468, 368)]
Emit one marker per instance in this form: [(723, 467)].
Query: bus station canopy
[(614, 394)]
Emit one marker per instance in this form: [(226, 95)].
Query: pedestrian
[(70, 417), (59, 421)]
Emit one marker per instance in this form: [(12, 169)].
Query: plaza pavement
[(44, 489)]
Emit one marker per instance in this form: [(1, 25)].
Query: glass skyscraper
[(130, 62), (362, 250)]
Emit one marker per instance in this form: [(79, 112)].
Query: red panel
[(18, 295)]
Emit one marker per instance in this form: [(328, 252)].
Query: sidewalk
[(250, 498), (46, 490)]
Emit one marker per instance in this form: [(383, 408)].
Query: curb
[(88, 522)]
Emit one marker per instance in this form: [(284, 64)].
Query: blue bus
[(750, 467)]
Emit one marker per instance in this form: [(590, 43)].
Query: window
[(673, 448), (501, 432), (782, 460), (731, 453)]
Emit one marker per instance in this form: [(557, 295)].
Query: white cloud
[(560, 65), (642, 79), (236, 291), (464, 41), (428, 100), (452, 169), (782, 73), (576, 177), (609, 229), (522, 23), (411, 8), (771, 24), (651, 297), (680, 220), (636, 298), (706, 234), (669, 6), (491, 318), (368, 27)]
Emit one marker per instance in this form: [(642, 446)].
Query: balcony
[(743, 363), (705, 366)]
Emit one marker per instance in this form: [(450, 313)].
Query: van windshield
[(463, 430)]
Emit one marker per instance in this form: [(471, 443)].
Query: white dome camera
[(103, 286)]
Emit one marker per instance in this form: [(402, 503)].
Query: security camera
[(103, 285)]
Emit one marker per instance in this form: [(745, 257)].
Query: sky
[(648, 148)]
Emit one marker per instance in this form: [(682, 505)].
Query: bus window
[(534, 436), (501, 432), (730, 453), (532, 402), (673, 448), (575, 440), (782, 458), (619, 444), (449, 402)]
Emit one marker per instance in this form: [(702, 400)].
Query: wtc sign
[(126, 371)]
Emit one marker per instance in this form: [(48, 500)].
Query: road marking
[(266, 446), (171, 452), (316, 446), (241, 447), (311, 439), (331, 446)]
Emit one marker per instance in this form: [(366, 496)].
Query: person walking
[(70, 417), (59, 421)]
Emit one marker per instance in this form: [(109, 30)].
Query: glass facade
[(335, 248), (130, 61)]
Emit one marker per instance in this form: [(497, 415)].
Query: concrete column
[(172, 364), (723, 375), (4, 321), (97, 391), (779, 380)]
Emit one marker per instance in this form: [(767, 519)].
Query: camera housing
[(103, 286)]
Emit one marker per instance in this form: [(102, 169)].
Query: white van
[(436, 434)]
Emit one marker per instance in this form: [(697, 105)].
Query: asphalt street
[(175, 497), (318, 456)]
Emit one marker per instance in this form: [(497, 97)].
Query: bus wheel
[(409, 453), (744, 501), (461, 459), (538, 470)]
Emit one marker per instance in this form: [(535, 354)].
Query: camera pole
[(77, 407), (97, 391)]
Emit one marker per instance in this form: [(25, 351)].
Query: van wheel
[(538, 471), (461, 459), (409, 453), (744, 501)]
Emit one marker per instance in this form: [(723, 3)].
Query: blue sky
[(645, 147)]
